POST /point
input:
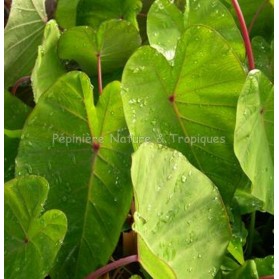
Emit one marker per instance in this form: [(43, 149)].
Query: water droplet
[(183, 178)]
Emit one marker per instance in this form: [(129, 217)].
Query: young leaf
[(48, 67), (254, 132), (32, 239), (114, 41), (253, 269), (191, 106), (166, 23), (65, 13), (15, 113), (94, 12), (93, 185), (23, 34), (246, 202), (182, 225), (239, 234)]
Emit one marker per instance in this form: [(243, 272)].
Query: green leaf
[(246, 202), (253, 269), (239, 234), (23, 34), (115, 41), (182, 225), (264, 58), (254, 136), (48, 67), (65, 13), (190, 107), (166, 23), (93, 185), (15, 113), (94, 12), (164, 27), (32, 239)]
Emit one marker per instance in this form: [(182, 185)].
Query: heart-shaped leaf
[(16, 113), (182, 225), (114, 41), (23, 34), (190, 107), (254, 136), (166, 23), (48, 67), (94, 12), (93, 186), (32, 239)]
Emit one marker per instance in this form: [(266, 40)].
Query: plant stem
[(100, 82), (251, 234), (18, 83), (245, 35), (267, 277), (111, 266), (258, 12)]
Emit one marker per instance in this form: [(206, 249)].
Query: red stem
[(245, 35), (267, 277), (18, 83), (255, 17), (111, 266), (99, 65)]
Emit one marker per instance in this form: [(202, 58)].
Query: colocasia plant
[(139, 139)]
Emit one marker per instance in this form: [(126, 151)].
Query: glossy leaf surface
[(190, 107), (23, 34), (166, 23), (180, 219), (254, 136), (93, 186)]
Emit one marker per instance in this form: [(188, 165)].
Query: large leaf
[(166, 23), (182, 225), (65, 13), (114, 41), (93, 185), (23, 34), (94, 12), (48, 67), (191, 106), (254, 136), (32, 239), (15, 113)]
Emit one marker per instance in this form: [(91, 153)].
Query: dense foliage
[(139, 139)]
